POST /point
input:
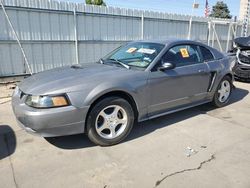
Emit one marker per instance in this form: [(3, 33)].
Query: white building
[(243, 9)]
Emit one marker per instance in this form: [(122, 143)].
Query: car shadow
[(238, 94), (146, 127), (7, 141), (70, 142)]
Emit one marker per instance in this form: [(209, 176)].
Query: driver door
[(185, 84)]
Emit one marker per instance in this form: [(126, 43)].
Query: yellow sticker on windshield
[(184, 52), (131, 50)]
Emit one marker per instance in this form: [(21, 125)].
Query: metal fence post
[(217, 37), (190, 28), (235, 28), (209, 33), (142, 26), (213, 25), (228, 36), (76, 35)]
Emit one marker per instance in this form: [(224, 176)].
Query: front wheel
[(110, 121), (223, 92)]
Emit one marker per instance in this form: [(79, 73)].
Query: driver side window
[(182, 55)]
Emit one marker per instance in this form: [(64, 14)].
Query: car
[(138, 81), (241, 48)]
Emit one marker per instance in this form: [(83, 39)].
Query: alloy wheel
[(111, 122), (224, 91)]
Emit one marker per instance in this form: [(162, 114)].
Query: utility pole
[(195, 6), (246, 21)]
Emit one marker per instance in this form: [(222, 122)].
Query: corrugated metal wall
[(49, 32)]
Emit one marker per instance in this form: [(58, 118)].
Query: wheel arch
[(230, 75), (221, 77), (116, 93)]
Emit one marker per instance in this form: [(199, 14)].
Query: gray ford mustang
[(138, 81)]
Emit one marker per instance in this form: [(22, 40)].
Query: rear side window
[(207, 55), (182, 55)]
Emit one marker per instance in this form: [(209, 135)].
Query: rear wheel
[(110, 121), (223, 92)]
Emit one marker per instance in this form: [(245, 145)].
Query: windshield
[(137, 54)]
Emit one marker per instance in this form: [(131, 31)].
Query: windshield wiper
[(120, 63)]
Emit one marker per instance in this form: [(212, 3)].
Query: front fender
[(105, 88)]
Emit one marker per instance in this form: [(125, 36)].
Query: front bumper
[(241, 71), (50, 122)]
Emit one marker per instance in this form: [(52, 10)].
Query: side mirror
[(166, 66)]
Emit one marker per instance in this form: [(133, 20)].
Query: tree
[(95, 2), (220, 10)]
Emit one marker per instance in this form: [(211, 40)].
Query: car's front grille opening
[(21, 94), (244, 58)]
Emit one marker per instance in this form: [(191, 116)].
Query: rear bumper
[(49, 122)]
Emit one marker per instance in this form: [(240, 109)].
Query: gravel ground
[(6, 90)]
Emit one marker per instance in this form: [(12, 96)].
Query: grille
[(245, 57), (21, 94)]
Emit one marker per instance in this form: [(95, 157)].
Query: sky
[(170, 6)]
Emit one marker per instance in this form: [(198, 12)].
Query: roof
[(170, 41), (167, 42)]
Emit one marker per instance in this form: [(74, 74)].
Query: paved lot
[(155, 154)]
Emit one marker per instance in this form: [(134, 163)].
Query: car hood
[(243, 42), (74, 78)]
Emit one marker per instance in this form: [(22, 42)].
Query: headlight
[(46, 101), (234, 45)]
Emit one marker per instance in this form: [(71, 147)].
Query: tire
[(218, 100), (110, 121)]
